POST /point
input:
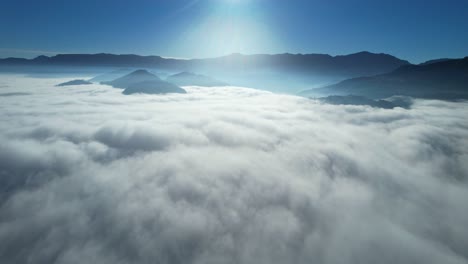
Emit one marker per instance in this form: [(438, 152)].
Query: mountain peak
[(41, 57), (141, 72), (367, 53), (132, 78)]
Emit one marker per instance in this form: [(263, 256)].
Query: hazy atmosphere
[(417, 30), (233, 131)]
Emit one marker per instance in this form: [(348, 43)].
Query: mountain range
[(367, 74), (357, 100), (288, 73), (362, 63), (443, 79)]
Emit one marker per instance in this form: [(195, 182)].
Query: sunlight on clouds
[(227, 175)]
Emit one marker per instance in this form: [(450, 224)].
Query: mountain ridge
[(285, 73), (286, 61), (447, 79)]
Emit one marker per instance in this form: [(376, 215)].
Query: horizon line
[(54, 54)]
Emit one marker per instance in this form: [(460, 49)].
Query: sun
[(229, 26)]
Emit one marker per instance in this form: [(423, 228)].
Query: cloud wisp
[(227, 175)]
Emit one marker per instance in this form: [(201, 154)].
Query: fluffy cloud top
[(227, 175)]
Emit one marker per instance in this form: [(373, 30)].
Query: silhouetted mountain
[(142, 81), (74, 82), (356, 100), (101, 59), (109, 76), (446, 80), (362, 62), (135, 77), (434, 61), (189, 78), (15, 61), (153, 87), (41, 59)]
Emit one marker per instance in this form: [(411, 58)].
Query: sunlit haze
[(415, 30)]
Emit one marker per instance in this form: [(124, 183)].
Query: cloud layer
[(227, 175)]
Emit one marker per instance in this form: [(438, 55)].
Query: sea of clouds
[(227, 175)]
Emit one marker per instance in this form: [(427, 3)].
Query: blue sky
[(416, 30)]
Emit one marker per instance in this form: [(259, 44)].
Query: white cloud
[(227, 175)]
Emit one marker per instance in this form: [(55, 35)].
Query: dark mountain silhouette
[(359, 64), (16, 61), (435, 61), (189, 78), (153, 87), (135, 77), (101, 59), (142, 81), (362, 63), (447, 80), (356, 100), (74, 82)]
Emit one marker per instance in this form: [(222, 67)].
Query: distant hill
[(189, 78), (137, 76), (356, 100), (100, 59), (142, 81), (74, 82), (446, 80), (435, 61), (153, 87)]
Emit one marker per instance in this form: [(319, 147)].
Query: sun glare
[(231, 26)]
